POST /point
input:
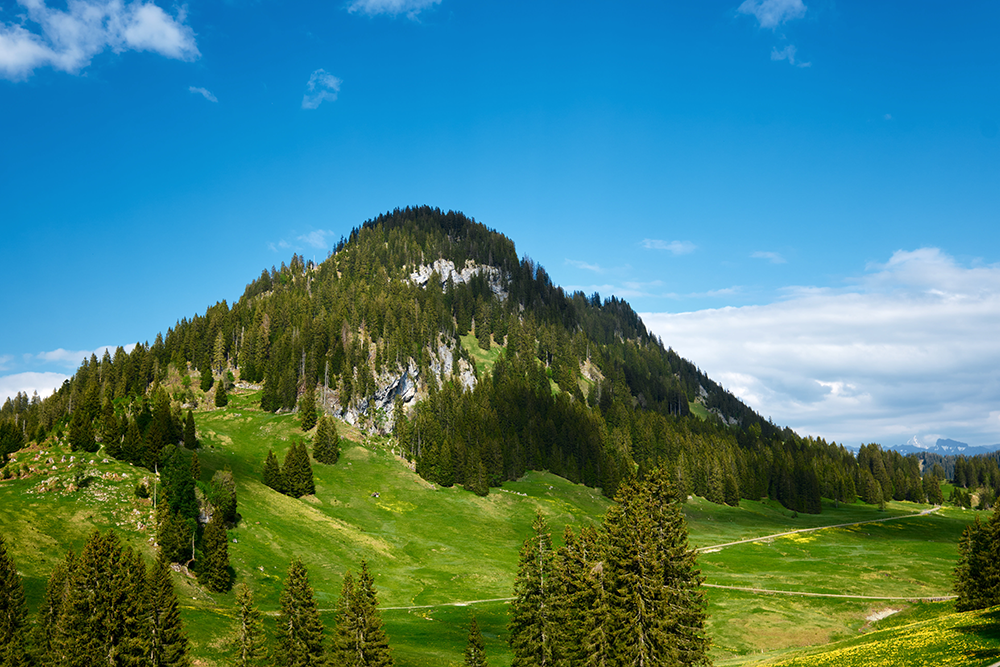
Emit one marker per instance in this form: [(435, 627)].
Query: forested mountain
[(385, 333)]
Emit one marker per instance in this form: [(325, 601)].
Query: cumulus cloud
[(772, 13), (773, 257), (788, 53), (29, 383), (321, 87), (68, 40), (410, 8), (675, 247), (204, 93), (902, 352)]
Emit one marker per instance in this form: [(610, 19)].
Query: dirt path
[(717, 547), (766, 591)]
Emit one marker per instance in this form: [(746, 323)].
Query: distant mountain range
[(944, 447)]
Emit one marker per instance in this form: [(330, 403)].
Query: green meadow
[(441, 555)]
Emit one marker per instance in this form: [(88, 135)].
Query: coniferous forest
[(382, 334)]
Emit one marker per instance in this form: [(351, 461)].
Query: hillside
[(473, 393)]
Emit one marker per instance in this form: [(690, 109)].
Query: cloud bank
[(908, 350), (29, 383), (68, 40)]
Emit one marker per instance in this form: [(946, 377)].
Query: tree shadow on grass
[(986, 631)]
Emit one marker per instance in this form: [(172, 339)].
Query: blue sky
[(800, 196)]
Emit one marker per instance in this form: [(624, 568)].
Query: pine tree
[(206, 378), (360, 638), (977, 575), (223, 495), (475, 647), (219, 353), (657, 604), (326, 442), (300, 632), (190, 437), (48, 616), (214, 572), (195, 467), (532, 624), (297, 472), (221, 397), (249, 642), (13, 611), (272, 475), (307, 408), (168, 644), (103, 608)]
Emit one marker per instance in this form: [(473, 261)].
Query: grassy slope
[(429, 546)]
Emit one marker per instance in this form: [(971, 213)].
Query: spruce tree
[(206, 378), (360, 638), (272, 475), (221, 397), (223, 495), (475, 647), (299, 632), (214, 571), (13, 611), (326, 442), (532, 625), (168, 644), (195, 467), (190, 436), (307, 408), (48, 616), (297, 471), (249, 642), (977, 575)]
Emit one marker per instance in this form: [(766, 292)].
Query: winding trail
[(717, 547)]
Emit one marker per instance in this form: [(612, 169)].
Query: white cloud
[(73, 358), (411, 8), (43, 383), (317, 238), (321, 86), (676, 247), (788, 53), (68, 40), (772, 257), (908, 350), (596, 268), (204, 93), (772, 13)]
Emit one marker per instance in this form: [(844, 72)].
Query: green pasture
[(484, 358), (431, 547)]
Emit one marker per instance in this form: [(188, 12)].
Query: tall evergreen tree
[(326, 442), (190, 436), (221, 397), (307, 408), (13, 611), (249, 641), (532, 624), (272, 475), (977, 575), (300, 632), (223, 495), (56, 592), (207, 380), (297, 471), (475, 647), (214, 571), (360, 637), (168, 644)]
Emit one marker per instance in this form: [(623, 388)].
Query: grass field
[(432, 547)]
